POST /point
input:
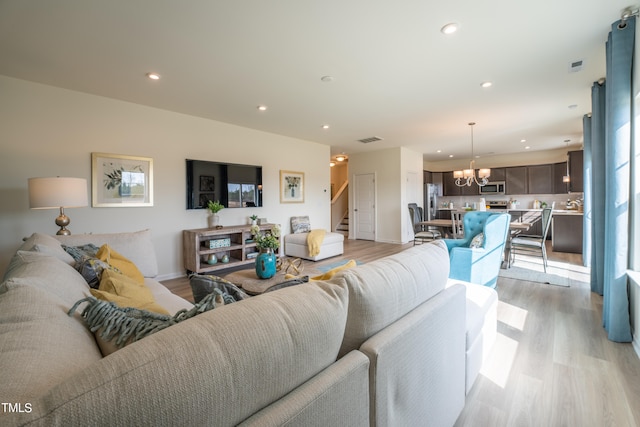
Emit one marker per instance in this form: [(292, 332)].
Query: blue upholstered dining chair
[(478, 256)]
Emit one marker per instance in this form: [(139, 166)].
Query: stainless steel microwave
[(495, 187)]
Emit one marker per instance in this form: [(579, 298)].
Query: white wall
[(390, 167), (411, 163), (47, 131)]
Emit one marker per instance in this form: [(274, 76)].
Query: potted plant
[(254, 219), (214, 208), (267, 243)]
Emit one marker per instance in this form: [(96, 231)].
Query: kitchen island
[(566, 231)]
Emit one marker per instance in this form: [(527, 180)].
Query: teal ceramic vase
[(266, 264)]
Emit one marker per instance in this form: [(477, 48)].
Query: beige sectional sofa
[(381, 344)]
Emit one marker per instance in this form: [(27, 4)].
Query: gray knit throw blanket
[(131, 324)]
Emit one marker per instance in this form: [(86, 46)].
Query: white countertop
[(555, 211)]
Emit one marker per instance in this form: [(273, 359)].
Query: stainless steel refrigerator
[(430, 202)]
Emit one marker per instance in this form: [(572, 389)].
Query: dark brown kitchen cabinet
[(436, 179), (576, 180), (449, 187), (567, 233), (497, 174), (540, 179), (516, 180), (559, 171)]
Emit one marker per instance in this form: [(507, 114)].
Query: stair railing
[(340, 206)]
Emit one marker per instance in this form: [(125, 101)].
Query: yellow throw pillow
[(126, 292), (114, 259)]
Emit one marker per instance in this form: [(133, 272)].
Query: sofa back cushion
[(383, 291), (40, 345), (217, 368), (135, 246)]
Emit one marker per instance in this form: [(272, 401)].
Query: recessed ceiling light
[(523, 140), (438, 151), (486, 84), (449, 28), (450, 155), (340, 158), (325, 126), (262, 107), (153, 76), (527, 147), (327, 79)]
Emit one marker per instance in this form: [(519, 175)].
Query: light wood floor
[(552, 364)]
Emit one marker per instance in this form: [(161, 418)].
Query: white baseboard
[(170, 276)]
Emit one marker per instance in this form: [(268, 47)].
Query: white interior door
[(364, 209)]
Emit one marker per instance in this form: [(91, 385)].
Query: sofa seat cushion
[(135, 246), (165, 298), (480, 301), (481, 326), (385, 290), (241, 358)]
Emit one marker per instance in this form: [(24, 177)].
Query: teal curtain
[(609, 157), (588, 197), (597, 190)]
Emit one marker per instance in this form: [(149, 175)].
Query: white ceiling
[(396, 76)]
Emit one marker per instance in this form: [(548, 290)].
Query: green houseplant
[(268, 240), (214, 208)]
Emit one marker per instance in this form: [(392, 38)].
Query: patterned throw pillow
[(300, 224), (203, 285), (80, 252), (477, 241), (91, 269)]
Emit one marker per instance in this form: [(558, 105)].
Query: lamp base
[(62, 221)]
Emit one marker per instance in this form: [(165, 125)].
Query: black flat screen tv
[(233, 185)]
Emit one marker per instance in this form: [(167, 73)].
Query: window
[(242, 195)]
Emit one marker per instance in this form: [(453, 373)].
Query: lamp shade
[(57, 192)]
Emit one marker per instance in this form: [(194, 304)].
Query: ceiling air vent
[(575, 66), (370, 139)]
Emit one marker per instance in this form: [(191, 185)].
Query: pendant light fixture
[(468, 176)]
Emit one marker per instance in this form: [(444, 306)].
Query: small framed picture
[(121, 181), (291, 187), (204, 199), (207, 183)]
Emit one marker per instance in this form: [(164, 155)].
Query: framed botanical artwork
[(121, 181), (291, 187)]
